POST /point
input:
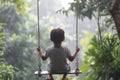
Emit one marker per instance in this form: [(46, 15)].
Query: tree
[(99, 57), (6, 71), (20, 5), (20, 48), (11, 21), (115, 10)]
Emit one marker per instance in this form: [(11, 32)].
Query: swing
[(47, 73), (40, 72)]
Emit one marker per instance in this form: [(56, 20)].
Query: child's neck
[(57, 45)]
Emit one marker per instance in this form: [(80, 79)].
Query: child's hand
[(39, 49), (77, 49)]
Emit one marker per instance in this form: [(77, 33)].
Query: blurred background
[(19, 37)]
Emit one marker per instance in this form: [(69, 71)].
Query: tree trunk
[(115, 12)]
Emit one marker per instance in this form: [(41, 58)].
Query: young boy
[(58, 54)]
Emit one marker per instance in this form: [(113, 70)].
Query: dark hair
[(57, 35)]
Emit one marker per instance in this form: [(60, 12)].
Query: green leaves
[(2, 38), (103, 65), (87, 8), (20, 5), (6, 72)]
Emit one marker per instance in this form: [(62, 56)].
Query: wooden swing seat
[(47, 73)]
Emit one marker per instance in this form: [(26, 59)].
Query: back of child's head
[(57, 35)]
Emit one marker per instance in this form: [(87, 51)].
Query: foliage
[(21, 5), (6, 71), (2, 38), (17, 52), (15, 39), (21, 38), (21, 41), (102, 66), (87, 8), (99, 66)]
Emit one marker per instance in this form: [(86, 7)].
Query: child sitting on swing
[(58, 54)]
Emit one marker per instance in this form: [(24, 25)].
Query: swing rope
[(39, 64), (38, 23), (77, 63)]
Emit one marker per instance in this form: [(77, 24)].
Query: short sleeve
[(68, 52), (47, 53)]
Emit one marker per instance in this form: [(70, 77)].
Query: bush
[(103, 63)]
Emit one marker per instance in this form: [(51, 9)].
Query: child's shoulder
[(65, 47), (49, 48)]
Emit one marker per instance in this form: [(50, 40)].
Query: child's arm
[(71, 58), (41, 54)]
